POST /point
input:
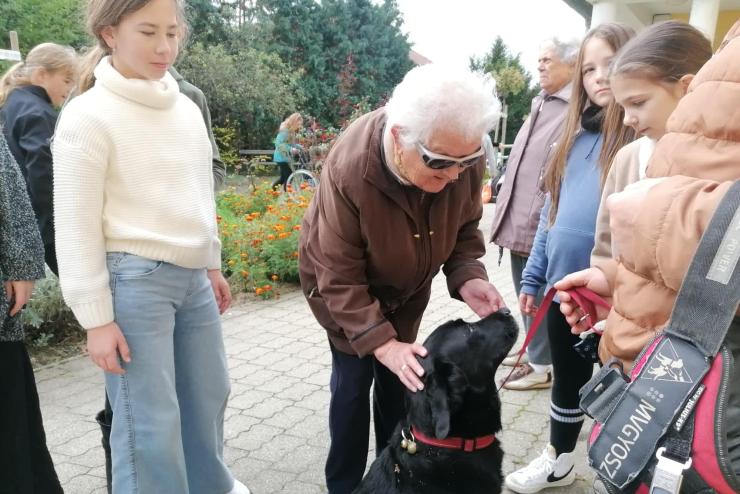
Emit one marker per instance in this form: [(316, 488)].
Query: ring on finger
[(584, 317), (404, 367)]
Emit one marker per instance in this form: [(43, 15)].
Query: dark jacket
[(28, 121), (21, 251), (197, 97), (370, 246)]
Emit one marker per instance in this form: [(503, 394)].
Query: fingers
[(573, 280), (410, 370), (17, 306), (409, 376), (123, 348), (8, 290), (226, 297)]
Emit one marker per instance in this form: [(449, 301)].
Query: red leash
[(584, 298)]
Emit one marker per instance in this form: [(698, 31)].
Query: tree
[(251, 90), (319, 38), (512, 81), (40, 21)]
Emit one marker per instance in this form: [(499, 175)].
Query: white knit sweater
[(132, 173)]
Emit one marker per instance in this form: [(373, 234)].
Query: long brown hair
[(46, 56), (663, 52), (104, 13), (615, 35)]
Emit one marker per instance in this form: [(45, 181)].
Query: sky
[(451, 31)]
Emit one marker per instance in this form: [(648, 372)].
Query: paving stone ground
[(276, 423)]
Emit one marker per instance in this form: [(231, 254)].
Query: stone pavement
[(276, 423)]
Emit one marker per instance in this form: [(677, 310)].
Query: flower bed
[(259, 235)]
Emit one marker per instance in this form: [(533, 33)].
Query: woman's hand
[(527, 304), (20, 291), (400, 358), (593, 279), (481, 296), (220, 289), (105, 344)]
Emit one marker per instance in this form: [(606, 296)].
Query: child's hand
[(104, 344), (20, 291), (220, 289)]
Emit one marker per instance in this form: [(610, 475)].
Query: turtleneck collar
[(161, 94)]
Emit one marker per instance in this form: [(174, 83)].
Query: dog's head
[(459, 397)]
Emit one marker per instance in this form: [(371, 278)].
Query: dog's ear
[(437, 392)]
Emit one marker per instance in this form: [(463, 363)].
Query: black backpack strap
[(710, 291)]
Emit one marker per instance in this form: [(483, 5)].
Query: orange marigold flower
[(267, 288), (258, 291), (284, 218), (274, 277), (304, 186), (296, 227), (218, 219), (271, 237), (244, 255), (283, 235), (245, 273)]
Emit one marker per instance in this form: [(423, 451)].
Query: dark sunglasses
[(438, 161)]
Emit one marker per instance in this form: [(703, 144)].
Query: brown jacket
[(371, 246), (521, 198), (701, 154)]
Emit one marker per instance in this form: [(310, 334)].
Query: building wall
[(724, 22)]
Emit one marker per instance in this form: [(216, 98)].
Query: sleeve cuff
[(530, 289), (370, 339), (457, 278), (96, 313)]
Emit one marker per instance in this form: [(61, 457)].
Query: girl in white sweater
[(139, 254)]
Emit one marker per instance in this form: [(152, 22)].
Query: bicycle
[(305, 173)]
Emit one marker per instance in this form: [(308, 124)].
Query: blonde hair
[(49, 57), (615, 35), (107, 13), (291, 123)]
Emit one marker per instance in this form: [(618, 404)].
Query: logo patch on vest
[(668, 366)]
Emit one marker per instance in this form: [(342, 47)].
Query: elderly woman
[(399, 198)]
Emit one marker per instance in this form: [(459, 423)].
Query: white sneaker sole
[(521, 489)]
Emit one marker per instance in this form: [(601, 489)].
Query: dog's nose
[(505, 311)]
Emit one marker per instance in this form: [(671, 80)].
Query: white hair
[(434, 96), (566, 50)]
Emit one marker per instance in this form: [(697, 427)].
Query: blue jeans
[(168, 408)]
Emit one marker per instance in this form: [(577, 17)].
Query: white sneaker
[(510, 360), (239, 488), (545, 471)]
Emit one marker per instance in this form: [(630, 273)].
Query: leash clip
[(668, 474)]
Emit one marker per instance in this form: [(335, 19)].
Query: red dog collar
[(467, 445)]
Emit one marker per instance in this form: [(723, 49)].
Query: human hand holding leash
[(593, 279), (400, 358), (104, 344)]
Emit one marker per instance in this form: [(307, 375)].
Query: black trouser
[(570, 373), (285, 172), (50, 257), (349, 416), (26, 466)]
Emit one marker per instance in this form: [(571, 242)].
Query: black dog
[(446, 443)]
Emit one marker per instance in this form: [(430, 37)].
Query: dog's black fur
[(459, 400)]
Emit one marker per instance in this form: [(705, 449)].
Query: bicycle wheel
[(301, 179)]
